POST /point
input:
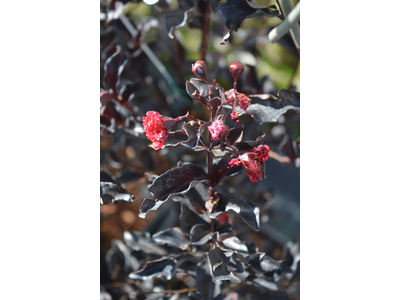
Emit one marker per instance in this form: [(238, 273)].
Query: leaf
[(204, 284), (263, 263), (218, 262), (141, 241), (106, 176), (188, 219), (247, 146), (130, 90), (220, 170), (176, 180), (233, 243), (119, 260), (192, 130), (178, 17), (235, 12), (111, 69), (245, 209), (164, 267), (200, 234), (235, 134), (198, 90), (265, 114), (273, 106), (175, 138), (111, 192), (197, 197), (172, 237)]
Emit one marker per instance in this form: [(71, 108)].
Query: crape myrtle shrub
[(199, 157)]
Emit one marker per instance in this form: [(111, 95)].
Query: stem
[(205, 6)]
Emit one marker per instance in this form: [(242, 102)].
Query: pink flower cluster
[(156, 127), (218, 130), (251, 161), (235, 98)]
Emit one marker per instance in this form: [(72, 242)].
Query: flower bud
[(200, 69), (236, 68)]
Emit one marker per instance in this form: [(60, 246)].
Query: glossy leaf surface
[(111, 192)]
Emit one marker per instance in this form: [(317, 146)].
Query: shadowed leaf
[(111, 192), (273, 106), (220, 169), (188, 219), (245, 209), (172, 237), (235, 12), (178, 17), (162, 267)]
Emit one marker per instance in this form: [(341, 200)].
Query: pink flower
[(262, 152), (218, 130), (156, 127), (235, 98), (243, 101), (251, 161), (254, 176), (230, 96)]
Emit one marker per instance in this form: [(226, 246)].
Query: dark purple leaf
[(106, 176), (235, 134), (177, 180), (199, 90), (263, 263), (200, 234), (197, 197), (218, 262), (192, 130), (177, 17), (147, 205), (235, 12), (119, 261), (162, 267), (245, 209), (111, 69), (273, 106), (204, 284), (188, 219), (175, 138), (141, 241), (236, 267), (215, 102), (172, 237), (223, 228), (265, 283), (247, 146), (233, 243), (111, 192), (220, 169), (130, 90)]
